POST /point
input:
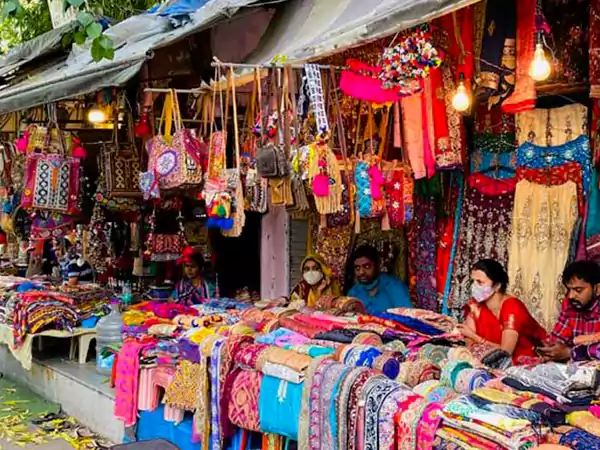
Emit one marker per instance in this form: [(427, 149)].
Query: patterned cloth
[(485, 230), (426, 240), (552, 127), (243, 400)]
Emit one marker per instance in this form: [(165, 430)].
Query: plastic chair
[(82, 343)]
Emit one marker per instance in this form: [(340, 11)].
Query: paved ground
[(18, 407)]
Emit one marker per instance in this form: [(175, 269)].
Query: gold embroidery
[(491, 28), (510, 322)]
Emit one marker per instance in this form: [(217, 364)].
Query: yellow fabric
[(543, 220), (332, 289), (586, 421)]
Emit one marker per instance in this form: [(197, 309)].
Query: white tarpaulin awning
[(308, 29), (134, 40)]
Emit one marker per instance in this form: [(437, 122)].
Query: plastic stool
[(82, 343), (150, 382)]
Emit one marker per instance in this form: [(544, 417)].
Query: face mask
[(481, 293), (312, 277)]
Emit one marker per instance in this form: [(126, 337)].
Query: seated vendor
[(377, 291), (317, 281), (494, 316), (193, 288), (79, 271), (580, 311)]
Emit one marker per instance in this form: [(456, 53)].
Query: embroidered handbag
[(122, 165), (175, 158), (271, 158), (52, 183), (49, 139), (234, 181), (166, 247)]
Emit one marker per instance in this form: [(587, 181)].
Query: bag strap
[(177, 120), (53, 122), (287, 143), (250, 114), (341, 136), (292, 99), (236, 135), (167, 115)]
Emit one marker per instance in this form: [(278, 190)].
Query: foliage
[(25, 19)]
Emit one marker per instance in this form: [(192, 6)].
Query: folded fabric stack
[(37, 311)]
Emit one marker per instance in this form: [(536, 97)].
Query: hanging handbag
[(255, 186), (234, 180), (175, 158), (346, 215), (370, 199), (271, 159), (399, 190), (49, 139), (165, 246), (122, 163), (51, 182), (215, 193)]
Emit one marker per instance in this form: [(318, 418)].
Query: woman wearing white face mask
[(498, 318), (317, 281)]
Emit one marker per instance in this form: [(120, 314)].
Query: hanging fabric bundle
[(370, 199), (399, 189), (234, 180)]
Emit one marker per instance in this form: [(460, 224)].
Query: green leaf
[(94, 30), (97, 50), (106, 42), (19, 12), (67, 39), (9, 7), (75, 3), (85, 18), (109, 53), (80, 37)]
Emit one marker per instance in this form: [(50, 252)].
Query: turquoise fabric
[(592, 226), (333, 409), (390, 292), (279, 406), (364, 200)]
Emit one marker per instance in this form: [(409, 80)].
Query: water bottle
[(126, 294), (108, 332)]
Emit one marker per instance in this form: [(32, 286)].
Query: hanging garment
[(537, 157), (594, 48), (592, 228), (426, 254), (543, 219), (485, 228), (412, 132), (497, 62), (550, 127), (524, 96)]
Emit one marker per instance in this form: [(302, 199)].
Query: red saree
[(513, 316)]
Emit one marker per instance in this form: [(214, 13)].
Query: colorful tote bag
[(52, 183), (122, 167), (399, 189), (233, 177), (175, 158)]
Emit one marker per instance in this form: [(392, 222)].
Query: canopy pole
[(217, 63)]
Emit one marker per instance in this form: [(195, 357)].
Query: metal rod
[(272, 66), (181, 91)]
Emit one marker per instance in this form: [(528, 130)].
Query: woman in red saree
[(498, 318)]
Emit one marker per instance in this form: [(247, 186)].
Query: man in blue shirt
[(377, 291)]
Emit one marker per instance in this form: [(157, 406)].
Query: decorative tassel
[(23, 142), (79, 152), (141, 129)]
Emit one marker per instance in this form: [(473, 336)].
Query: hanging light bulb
[(461, 100), (96, 115), (540, 67)]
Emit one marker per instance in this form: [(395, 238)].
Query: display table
[(80, 337)]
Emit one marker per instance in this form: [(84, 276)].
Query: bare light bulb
[(540, 67), (461, 100), (96, 115)]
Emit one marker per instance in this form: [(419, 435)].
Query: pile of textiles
[(339, 305), (569, 385), (37, 311)]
